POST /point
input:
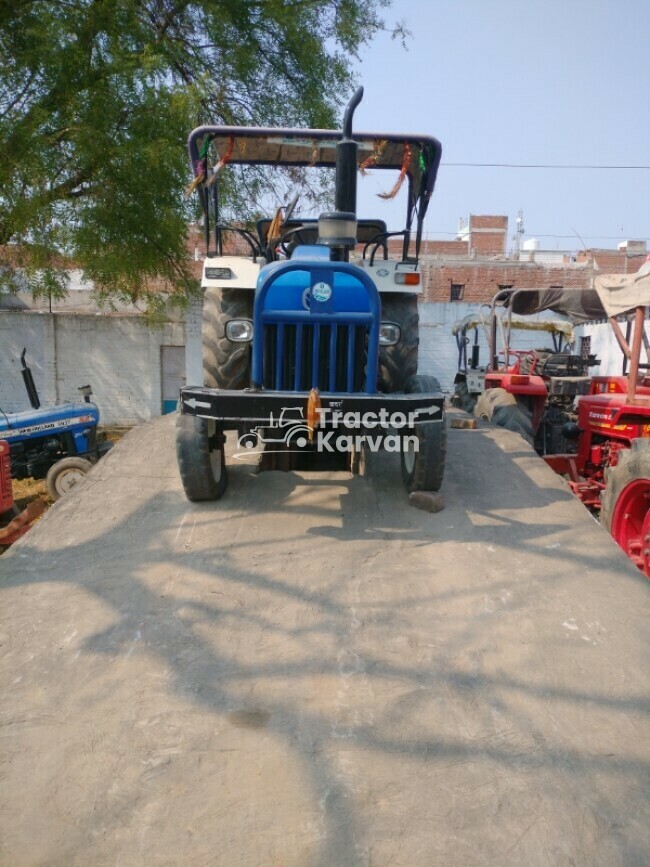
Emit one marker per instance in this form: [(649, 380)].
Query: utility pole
[(519, 231)]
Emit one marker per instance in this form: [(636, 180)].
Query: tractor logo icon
[(289, 429), (322, 292)]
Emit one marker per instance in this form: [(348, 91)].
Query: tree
[(96, 101)]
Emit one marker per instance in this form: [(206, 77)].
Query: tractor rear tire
[(625, 504), (398, 363), (503, 409), (423, 470), (225, 364), (201, 458), (64, 475)]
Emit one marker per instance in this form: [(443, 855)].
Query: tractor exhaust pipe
[(346, 161), (338, 229), (28, 379)]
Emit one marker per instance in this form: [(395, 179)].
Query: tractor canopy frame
[(416, 157), (613, 296)]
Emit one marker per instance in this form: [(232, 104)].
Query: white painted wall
[(605, 347), (438, 350), (119, 356)]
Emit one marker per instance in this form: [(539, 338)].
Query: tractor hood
[(35, 422)]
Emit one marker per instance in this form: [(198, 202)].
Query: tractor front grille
[(300, 356)]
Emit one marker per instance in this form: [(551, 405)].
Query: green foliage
[(97, 98)]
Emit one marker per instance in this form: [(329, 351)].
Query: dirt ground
[(311, 673), (27, 490)]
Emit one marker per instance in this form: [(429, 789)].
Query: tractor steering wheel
[(290, 235)]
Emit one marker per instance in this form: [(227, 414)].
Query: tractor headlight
[(239, 330), (389, 333)]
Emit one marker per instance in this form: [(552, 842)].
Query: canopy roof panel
[(419, 154), (613, 295), (555, 326)]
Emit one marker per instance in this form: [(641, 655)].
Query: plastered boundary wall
[(119, 356)]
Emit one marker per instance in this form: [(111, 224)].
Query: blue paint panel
[(289, 289), (79, 419), (284, 296)]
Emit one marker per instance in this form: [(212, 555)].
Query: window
[(503, 286), (457, 291)]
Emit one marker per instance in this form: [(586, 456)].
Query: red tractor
[(13, 522), (595, 431)]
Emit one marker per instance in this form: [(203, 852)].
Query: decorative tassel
[(402, 175), (201, 169), (371, 161), (225, 159)]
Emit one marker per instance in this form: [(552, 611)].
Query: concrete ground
[(311, 672)]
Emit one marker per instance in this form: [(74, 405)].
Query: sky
[(535, 81)]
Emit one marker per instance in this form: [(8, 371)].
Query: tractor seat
[(563, 364), (535, 357), (367, 230)]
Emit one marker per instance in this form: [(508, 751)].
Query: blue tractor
[(310, 336), (57, 443)]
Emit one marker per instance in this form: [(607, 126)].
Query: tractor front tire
[(225, 364), (502, 409), (625, 504), (64, 475), (398, 363), (423, 468), (201, 458)]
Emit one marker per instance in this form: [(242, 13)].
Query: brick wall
[(487, 235), (612, 261), (482, 279)]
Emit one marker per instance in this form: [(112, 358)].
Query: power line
[(596, 237), (642, 237), (546, 166)]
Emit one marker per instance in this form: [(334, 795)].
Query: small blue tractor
[(315, 321), (58, 443)]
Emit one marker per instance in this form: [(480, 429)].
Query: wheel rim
[(67, 479), (409, 458), (631, 523)]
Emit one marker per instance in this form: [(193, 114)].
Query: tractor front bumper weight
[(231, 409)]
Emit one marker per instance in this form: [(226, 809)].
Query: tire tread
[(225, 364)]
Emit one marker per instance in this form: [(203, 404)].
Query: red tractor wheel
[(625, 508)]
